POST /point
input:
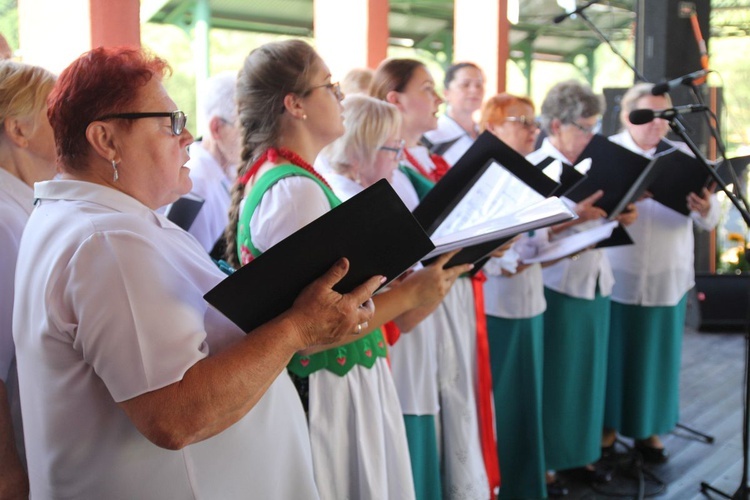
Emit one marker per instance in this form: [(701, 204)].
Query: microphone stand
[(743, 492), (606, 40)]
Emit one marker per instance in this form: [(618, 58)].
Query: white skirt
[(358, 436), (465, 476)]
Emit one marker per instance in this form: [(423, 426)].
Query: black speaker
[(665, 43), (611, 118), (723, 301)]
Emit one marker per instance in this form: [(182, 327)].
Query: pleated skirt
[(576, 337), (516, 356), (644, 369)]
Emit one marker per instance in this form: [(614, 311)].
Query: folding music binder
[(374, 230)]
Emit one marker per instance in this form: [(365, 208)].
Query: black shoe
[(652, 455), (608, 452), (557, 489), (587, 475)]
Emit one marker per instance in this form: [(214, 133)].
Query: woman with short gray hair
[(577, 289)]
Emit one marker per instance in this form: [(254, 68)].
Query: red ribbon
[(484, 389)]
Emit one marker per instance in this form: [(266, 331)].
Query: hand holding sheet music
[(545, 213), (570, 245), (491, 180)]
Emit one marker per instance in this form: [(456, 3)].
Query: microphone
[(641, 116), (664, 87), (562, 17)]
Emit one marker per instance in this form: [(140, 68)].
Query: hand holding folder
[(478, 196), (374, 230), (620, 173), (679, 174)]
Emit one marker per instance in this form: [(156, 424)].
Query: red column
[(115, 23)]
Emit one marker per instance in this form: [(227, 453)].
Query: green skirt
[(643, 382), (516, 356), (421, 435), (576, 334)]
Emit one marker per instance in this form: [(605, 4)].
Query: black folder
[(614, 169), (738, 164), (373, 229), (620, 237), (184, 211), (569, 176), (679, 175), (448, 192)]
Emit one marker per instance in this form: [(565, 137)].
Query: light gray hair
[(569, 101), (218, 98)]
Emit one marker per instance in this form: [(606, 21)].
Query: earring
[(114, 167), (304, 117)]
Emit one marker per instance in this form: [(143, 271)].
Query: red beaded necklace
[(441, 166), (272, 155)]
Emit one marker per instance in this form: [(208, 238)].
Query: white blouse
[(659, 268), (578, 277), (16, 204), (109, 306), (449, 130), (520, 295), (211, 183)]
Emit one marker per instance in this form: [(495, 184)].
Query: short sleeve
[(289, 205), (140, 320)]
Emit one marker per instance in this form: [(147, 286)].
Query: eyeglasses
[(525, 121), (333, 87), (178, 118), (586, 130), (399, 150)]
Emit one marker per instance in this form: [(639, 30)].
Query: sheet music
[(544, 213), (564, 247), (495, 194)]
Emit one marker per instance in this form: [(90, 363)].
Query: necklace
[(272, 155), (441, 166)]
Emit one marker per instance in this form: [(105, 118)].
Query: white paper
[(544, 213), (570, 245), (495, 194)]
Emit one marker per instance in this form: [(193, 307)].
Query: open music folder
[(679, 174), (570, 245), (569, 176), (373, 229), (615, 170), (489, 182)]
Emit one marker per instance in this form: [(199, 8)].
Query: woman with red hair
[(132, 387), (514, 304)]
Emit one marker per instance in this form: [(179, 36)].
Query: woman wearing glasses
[(577, 289), (649, 299), (514, 304), (449, 384), (289, 111), (132, 386)]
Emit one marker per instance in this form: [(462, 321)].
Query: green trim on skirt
[(516, 356), (421, 434), (643, 380), (576, 335)]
